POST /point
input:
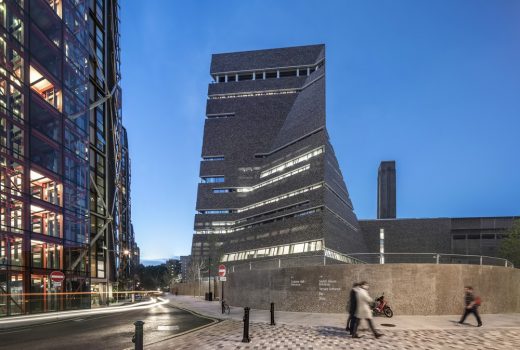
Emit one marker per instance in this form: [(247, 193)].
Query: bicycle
[(225, 307)]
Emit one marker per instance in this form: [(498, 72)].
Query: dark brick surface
[(263, 132), (263, 59)]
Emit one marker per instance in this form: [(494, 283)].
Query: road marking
[(168, 328), (79, 320)]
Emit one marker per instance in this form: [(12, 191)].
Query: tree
[(215, 249), (153, 277), (194, 271), (510, 246)]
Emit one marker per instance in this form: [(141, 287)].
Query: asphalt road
[(107, 331)]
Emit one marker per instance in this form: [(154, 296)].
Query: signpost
[(57, 277), (222, 275)]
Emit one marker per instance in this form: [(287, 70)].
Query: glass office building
[(57, 167)]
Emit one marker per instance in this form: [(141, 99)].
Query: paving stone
[(228, 335)]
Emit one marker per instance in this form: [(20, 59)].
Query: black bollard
[(272, 315), (138, 335), (223, 308), (246, 338)]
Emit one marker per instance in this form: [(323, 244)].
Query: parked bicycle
[(225, 307)]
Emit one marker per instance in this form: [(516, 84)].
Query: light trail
[(69, 314)]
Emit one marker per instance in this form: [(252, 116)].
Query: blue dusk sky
[(433, 85)]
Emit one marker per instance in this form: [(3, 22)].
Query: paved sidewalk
[(213, 309), (326, 331)]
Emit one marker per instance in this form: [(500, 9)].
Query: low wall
[(196, 289), (411, 289)]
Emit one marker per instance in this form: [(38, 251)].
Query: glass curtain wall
[(43, 155)]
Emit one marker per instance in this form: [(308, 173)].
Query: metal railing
[(367, 258), (430, 258)]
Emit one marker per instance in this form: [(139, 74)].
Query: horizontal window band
[(311, 65), (265, 92)]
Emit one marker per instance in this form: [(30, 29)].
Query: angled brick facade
[(269, 175)]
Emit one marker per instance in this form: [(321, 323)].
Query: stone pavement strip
[(228, 335)]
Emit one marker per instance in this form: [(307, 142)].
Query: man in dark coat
[(471, 306), (352, 305)]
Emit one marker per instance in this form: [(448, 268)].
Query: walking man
[(363, 311), (352, 304), (471, 306)]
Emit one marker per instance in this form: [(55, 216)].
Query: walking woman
[(363, 310)]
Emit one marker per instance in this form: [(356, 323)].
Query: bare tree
[(194, 270)]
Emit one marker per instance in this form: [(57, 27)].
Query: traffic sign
[(57, 276), (222, 270), (222, 279)]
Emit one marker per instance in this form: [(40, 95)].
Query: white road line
[(168, 328)]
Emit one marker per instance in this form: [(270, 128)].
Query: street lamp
[(123, 278)]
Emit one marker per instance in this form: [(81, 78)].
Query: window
[(259, 75), (302, 72), (271, 74), (304, 157), (231, 77), (216, 211), (45, 155), (242, 77), (220, 115), (44, 87), (287, 73), (212, 158), (223, 190), (281, 197), (274, 179), (212, 179), (45, 189), (45, 222), (298, 248), (221, 79)]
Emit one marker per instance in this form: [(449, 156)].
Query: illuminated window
[(273, 180), (223, 190), (304, 157), (216, 211), (43, 87), (45, 189), (281, 197), (212, 158), (56, 6), (212, 179), (45, 221)]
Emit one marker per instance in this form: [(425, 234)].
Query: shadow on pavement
[(333, 331)]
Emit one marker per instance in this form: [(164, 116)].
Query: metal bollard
[(272, 315), (138, 335), (246, 338), (223, 308)]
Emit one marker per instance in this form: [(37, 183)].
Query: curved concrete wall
[(411, 289)]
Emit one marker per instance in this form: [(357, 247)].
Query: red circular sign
[(57, 276), (222, 270)]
